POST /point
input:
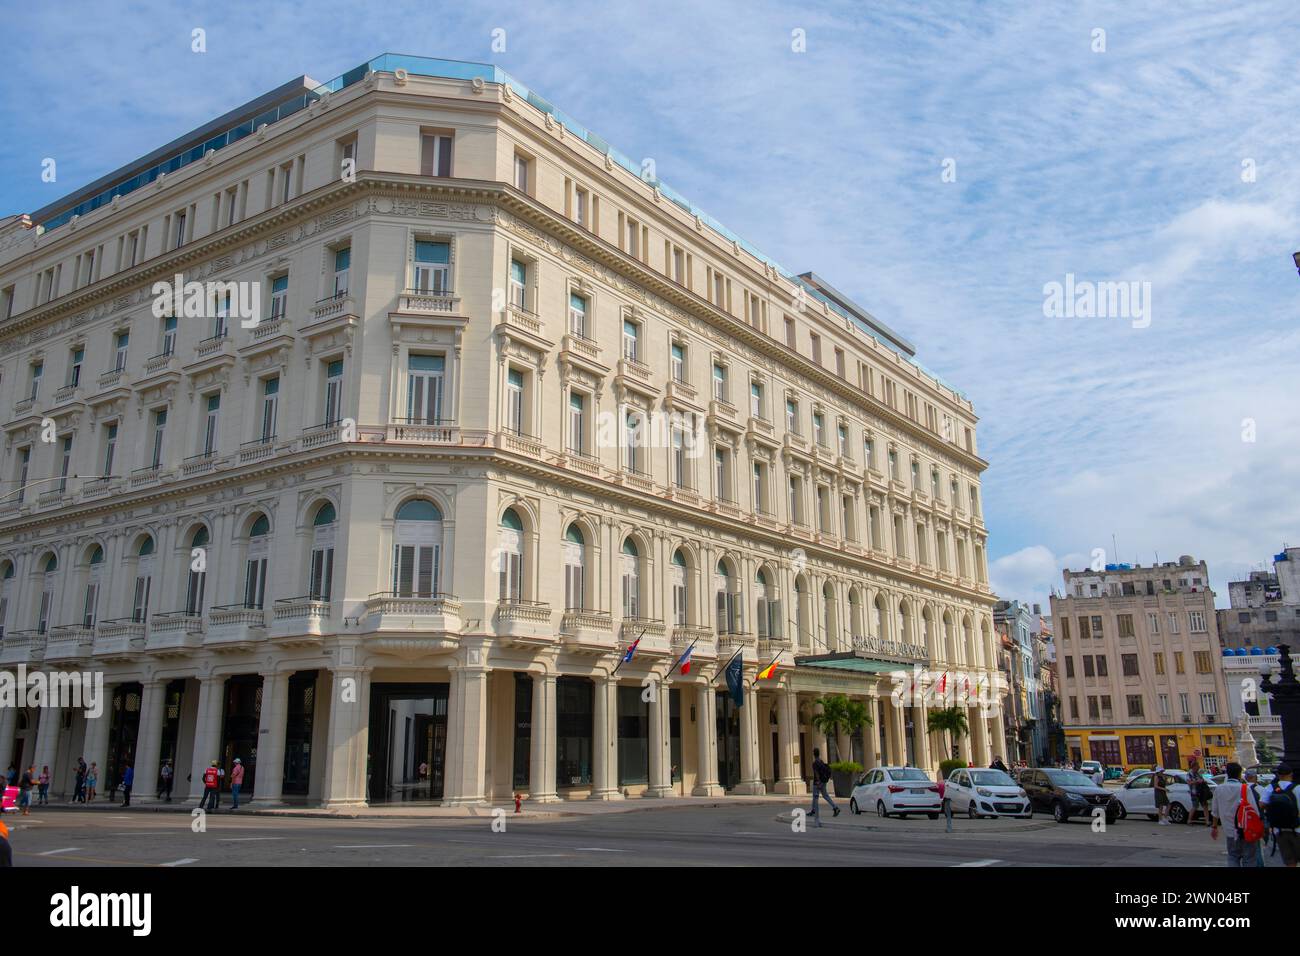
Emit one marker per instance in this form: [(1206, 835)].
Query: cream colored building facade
[(391, 537), (1140, 667)]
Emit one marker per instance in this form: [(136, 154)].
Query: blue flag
[(736, 679)]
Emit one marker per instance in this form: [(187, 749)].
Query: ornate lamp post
[(1285, 692)]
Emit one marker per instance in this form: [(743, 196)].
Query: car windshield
[(991, 778), (1069, 778), (909, 773)]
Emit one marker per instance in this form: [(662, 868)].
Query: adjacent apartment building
[(487, 432), (1264, 609), (1139, 664)]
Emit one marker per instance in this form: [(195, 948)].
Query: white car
[(1139, 796), (986, 793), (896, 790)]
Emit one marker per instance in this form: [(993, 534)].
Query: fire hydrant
[(518, 801)]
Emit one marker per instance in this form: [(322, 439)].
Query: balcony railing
[(301, 608), (198, 464), (241, 614), (416, 602), (257, 449), (112, 377), (148, 475), (423, 431), (417, 300), (326, 433)]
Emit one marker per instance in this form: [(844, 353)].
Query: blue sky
[(1122, 164)]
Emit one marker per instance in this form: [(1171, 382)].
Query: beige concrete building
[(1139, 666), (483, 407)]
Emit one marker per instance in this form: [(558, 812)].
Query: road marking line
[(66, 849), (247, 839), (978, 863), (188, 859), (374, 846), (598, 849), (527, 856)]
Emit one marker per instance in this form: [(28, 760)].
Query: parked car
[(1094, 770), (1137, 772), (986, 793), (1139, 796), (1066, 793), (896, 790)]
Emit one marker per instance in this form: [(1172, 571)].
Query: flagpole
[(769, 664), (739, 651), (672, 670)]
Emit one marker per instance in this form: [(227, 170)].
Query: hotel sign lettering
[(895, 649)]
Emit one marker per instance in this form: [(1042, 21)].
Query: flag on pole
[(736, 679), (631, 650), (684, 662), (767, 671)]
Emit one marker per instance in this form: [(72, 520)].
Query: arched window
[(677, 578), (574, 553), (510, 542), (198, 577), (417, 549), (830, 616), (728, 601), (143, 579), (855, 614), (320, 583), (631, 559), (801, 611), (760, 604), (49, 580), (879, 622), (259, 549), (904, 620), (88, 607)]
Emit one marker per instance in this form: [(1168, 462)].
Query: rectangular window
[(519, 284), (279, 296), (631, 341), (38, 369), (66, 464), (121, 342), (1203, 660), (819, 429), (515, 401), (719, 383), (577, 315), (140, 599), (577, 423), (1101, 666), (342, 266), (74, 367), (756, 400), (1209, 705), (210, 426), (255, 582), (431, 268), (1178, 663), (159, 427), (1160, 664), (321, 582), (678, 360), (1125, 622), (424, 387), (178, 235), (842, 432), (270, 407), (1196, 621), (194, 588), (110, 447), (1069, 667), (791, 416), (580, 202), (1130, 664), (435, 154), (1088, 669), (1134, 704), (168, 336), (522, 171), (1173, 622), (333, 391)]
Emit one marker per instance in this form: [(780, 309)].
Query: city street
[(693, 835)]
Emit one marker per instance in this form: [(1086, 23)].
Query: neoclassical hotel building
[(390, 537)]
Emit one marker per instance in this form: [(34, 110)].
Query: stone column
[(979, 738), (268, 784), (207, 730), (818, 736), (604, 740), (153, 712), (751, 781), (9, 727), (1000, 736), (787, 737), (871, 735), (47, 739), (706, 761), (96, 745), (347, 760), (467, 732), (542, 759), (660, 742), (925, 752)]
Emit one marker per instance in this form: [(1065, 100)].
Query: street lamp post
[(1285, 691)]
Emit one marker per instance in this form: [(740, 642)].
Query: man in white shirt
[(1227, 797)]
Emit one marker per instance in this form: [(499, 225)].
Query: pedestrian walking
[(43, 785), (236, 782), (821, 775), (211, 788), (11, 775), (1236, 812), (128, 780), (79, 791), (997, 764), (165, 781), (92, 778), (1252, 781), (25, 790), (946, 804), (1160, 785), (1283, 815)]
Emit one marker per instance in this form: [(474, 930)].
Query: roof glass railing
[(465, 70)]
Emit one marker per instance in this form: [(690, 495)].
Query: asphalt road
[(683, 836)]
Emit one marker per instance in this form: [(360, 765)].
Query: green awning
[(861, 665)]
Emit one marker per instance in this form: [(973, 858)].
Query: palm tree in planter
[(839, 714), (951, 721)]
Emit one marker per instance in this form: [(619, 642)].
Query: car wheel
[(933, 816), (853, 806), (1177, 813), (880, 809), (1059, 813), (1120, 810), (972, 812)]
